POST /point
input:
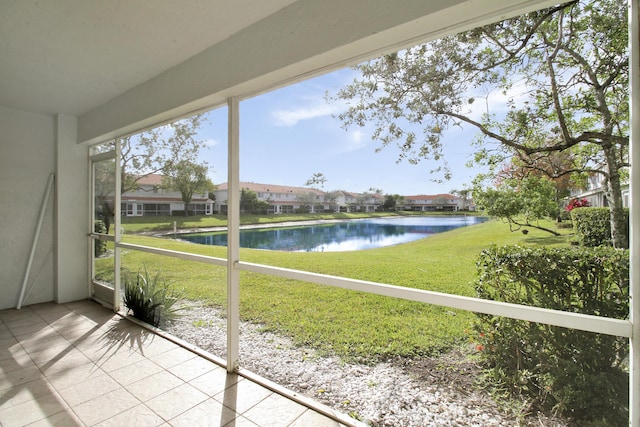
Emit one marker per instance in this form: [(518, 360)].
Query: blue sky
[(289, 134)]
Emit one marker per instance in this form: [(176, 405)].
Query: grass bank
[(351, 324)]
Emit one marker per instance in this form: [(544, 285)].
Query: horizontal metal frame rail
[(175, 254), (104, 237), (583, 322)]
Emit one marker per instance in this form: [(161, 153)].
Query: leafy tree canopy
[(555, 80), (391, 202), (188, 178), (308, 200), (317, 180), (249, 202), (520, 202), (152, 151)]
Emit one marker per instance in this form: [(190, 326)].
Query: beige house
[(359, 202), (437, 202), (75, 74), (150, 198), (289, 199)]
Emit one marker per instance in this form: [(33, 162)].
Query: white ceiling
[(71, 56)]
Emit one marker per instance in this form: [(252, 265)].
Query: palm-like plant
[(150, 298)]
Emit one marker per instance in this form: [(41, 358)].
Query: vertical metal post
[(36, 238), (91, 225), (233, 236), (634, 200), (117, 298)]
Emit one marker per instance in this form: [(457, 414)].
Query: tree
[(188, 178), (249, 202), (364, 199), (317, 179), (399, 199), (464, 194), (332, 198), (307, 200), (552, 167), (562, 70), (104, 188), (391, 202), (520, 202), (150, 152)]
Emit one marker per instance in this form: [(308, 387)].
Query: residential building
[(289, 199), (151, 198), (595, 192), (437, 202), (360, 202)]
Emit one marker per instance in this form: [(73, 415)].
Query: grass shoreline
[(166, 223), (353, 325)]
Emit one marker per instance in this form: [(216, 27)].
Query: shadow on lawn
[(549, 240)]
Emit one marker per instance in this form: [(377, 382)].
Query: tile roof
[(271, 188), (432, 197), (151, 179)]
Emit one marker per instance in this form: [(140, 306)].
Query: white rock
[(386, 394)]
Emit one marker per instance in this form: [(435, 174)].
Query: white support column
[(634, 301), (117, 232), (233, 236), (71, 220)]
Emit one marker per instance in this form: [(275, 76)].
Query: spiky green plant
[(150, 298)]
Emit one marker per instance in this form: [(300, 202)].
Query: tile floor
[(78, 364)]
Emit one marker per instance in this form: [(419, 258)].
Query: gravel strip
[(403, 392)]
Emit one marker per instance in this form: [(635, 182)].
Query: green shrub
[(592, 226), (578, 374), (150, 298), (100, 246)]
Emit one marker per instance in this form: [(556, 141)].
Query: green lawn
[(351, 324)]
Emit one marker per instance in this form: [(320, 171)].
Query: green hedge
[(592, 226), (578, 374)]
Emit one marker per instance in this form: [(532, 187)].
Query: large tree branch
[(524, 41), (598, 88), (510, 143), (601, 139), (554, 84), (617, 70), (518, 225), (560, 174), (592, 137)]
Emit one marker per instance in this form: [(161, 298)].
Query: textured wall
[(26, 160)]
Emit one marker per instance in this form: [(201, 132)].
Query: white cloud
[(317, 107), (356, 140), (210, 142)]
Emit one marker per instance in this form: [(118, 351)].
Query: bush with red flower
[(577, 203)]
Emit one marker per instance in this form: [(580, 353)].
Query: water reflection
[(342, 236)]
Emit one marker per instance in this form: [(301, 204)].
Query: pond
[(350, 235)]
